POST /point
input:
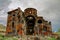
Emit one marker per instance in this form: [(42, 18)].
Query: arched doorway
[(30, 22)]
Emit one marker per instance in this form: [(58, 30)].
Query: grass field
[(2, 37)]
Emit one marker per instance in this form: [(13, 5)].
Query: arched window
[(12, 24), (18, 18), (39, 21), (13, 14), (44, 28)]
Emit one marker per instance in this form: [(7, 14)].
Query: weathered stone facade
[(27, 23)]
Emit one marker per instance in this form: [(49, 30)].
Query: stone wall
[(27, 23)]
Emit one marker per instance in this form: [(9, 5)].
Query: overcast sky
[(49, 9)]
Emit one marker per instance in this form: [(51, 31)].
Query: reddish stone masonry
[(27, 23)]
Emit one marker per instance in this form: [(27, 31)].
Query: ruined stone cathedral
[(27, 23)]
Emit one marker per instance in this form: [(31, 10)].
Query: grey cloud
[(49, 9), (4, 4), (53, 11), (3, 20), (3, 11), (3, 16)]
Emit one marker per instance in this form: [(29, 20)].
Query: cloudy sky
[(49, 9)]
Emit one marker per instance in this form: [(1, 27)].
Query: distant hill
[(2, 27)]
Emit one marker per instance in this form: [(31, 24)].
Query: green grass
[(51, 39), (2, 37)]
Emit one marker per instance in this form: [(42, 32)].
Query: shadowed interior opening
[(45, 29), (39, 21), (30, 21)]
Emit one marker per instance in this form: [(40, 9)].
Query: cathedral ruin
[(27, 23)]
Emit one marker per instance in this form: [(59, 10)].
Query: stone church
[(27, 22)]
